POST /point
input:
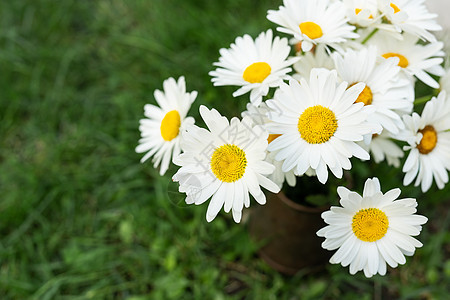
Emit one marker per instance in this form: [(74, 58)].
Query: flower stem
[(422, 99), (369, 36)]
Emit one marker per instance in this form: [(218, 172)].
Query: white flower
[(444, 81), (160, 129), (319, 58), (259, 117), (225, 164), (410, 16), (385, 90), (383, 147), (428, 137), (363, 13), (255, 65), (319, 123), (371, 230), (415, 59), (313, 22)]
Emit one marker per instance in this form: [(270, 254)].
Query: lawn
[(81, 218)]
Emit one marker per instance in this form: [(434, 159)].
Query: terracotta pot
[(288, 233)]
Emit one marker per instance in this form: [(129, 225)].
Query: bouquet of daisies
[(341, 84)]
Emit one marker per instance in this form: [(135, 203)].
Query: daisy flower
[(225, 164), (385, 91), (383, 147), (313, 22), (319, 58), (428, 137), (319, 124), (161, 127), (259, 117), (415, 59), (363, 13), (371, 230), (255, 65), (410, 16)]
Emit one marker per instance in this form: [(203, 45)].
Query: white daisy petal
[(216, 203), (372, 253)]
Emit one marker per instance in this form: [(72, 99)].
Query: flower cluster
[(339, 86)]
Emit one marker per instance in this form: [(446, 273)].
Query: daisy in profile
[(428, 137), (409, 16), (415, 59), (225, 163), (255, 65), (313, 22), (373, 230), (319, 124), (363, 13), (259, 117), (319, 58), (382, 147), (160, 129), (385, 91)]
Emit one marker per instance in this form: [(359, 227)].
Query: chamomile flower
[(382, 147), (385, 91), (373, 230), (428, 137), (225, 164), (313, 22), (414, 59), (319, 58), (319, 124), (410, 16), (363, 13), (160, 129), (255, 65), (259, 117)]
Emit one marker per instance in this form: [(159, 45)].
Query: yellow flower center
[(395, 7), (228, 163), (429, 140), (311, 30), (317, 124), (170, 125), (365, 96), (257, 72), (370, 224), (403, 60), (272, 137)]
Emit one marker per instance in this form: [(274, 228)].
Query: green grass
[(81, 218)]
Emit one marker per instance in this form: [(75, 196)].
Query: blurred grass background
[(81, 218)]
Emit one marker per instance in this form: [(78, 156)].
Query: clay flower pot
[(288, 233)]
